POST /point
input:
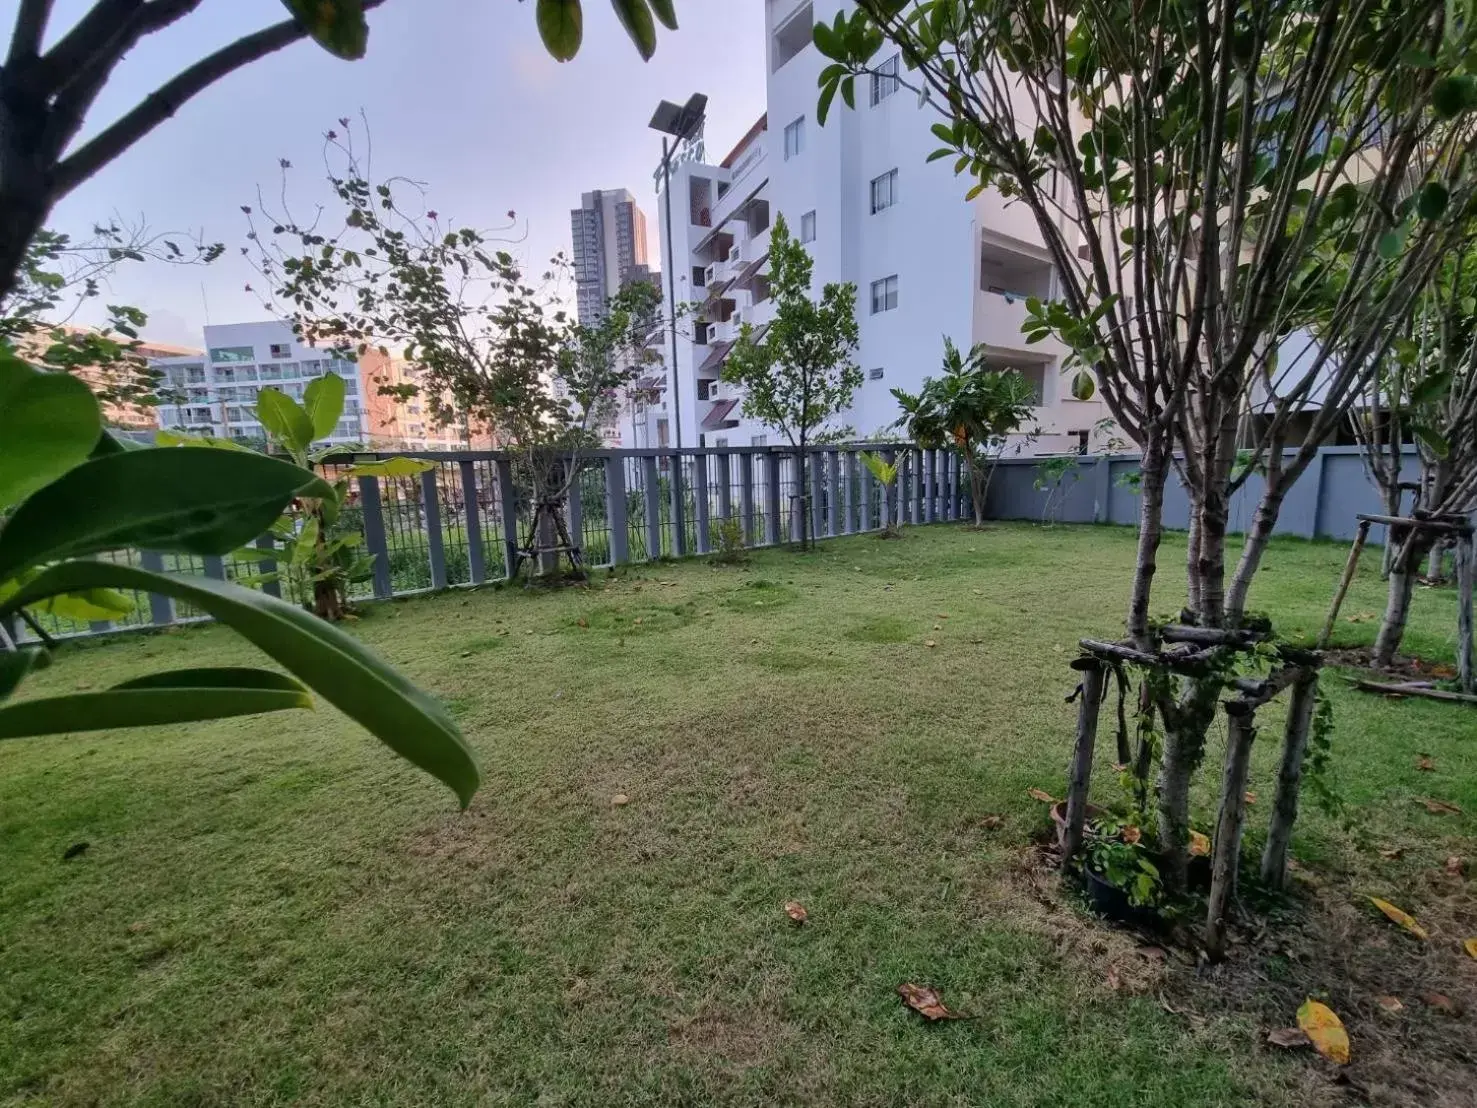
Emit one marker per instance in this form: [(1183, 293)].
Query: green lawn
[(276, 910)]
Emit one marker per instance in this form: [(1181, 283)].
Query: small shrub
[(726, 538)]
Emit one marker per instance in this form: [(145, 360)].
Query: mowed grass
[(276, 910)]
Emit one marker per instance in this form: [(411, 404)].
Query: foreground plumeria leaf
[(1404, 919), (926, 1003), (327, 660), (284, 418), (49, 422), (194, 502), (323, 402), (1470, 946), (392, 467), (161, 698), (1325, 1030), (635, 17), (561, 25)]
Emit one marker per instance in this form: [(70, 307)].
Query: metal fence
[(461, 522)]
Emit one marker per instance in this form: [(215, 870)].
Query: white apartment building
[(870, 208), (220, 389)]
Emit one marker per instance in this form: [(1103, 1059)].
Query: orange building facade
[(395, 424)]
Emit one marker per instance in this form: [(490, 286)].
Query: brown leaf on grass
[(1113, 981), (1325, 1030), (637, 621), (582, 622), (1199, 845), (1442, 1003), (1289, 1038), (943, 615), (1392, 853), (1041, 795), (1251, 798), (1403, 918), (1470, 946), (1456, 866), (938, 626), (1425, 762), (796, 911), (1152, 953), (1439, 807), (1443, 671), (620, 800), (926, 1003), (1390, 1003), (991, 823), (1132, 834), (929, 643)]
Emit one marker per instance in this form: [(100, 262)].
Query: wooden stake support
[(1093, 676), (1350, 567), (1289, 779), (1226, 854)]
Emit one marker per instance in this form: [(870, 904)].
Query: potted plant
[(1122, 880)]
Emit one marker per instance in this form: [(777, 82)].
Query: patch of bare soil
[(1410, 669)]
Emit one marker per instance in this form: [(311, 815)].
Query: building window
[(884, 191), (807, 226), (232, 354), (884, 294), (720, 442), (793, 36), (884, 80), (759, 440), (281, 349), (699, 276), (700, 332), (794, 138)]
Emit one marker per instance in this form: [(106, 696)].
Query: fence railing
[(462, 521)]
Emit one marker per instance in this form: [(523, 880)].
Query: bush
[(727, 540)]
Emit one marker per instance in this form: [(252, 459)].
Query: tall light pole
[(676, 124)]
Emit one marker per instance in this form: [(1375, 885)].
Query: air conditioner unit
[(735, 253), (710, 273)]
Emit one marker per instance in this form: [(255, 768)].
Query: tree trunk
[(804, 497), (1466, 581), (976, 490), (1154, 471), (1304, 698), (327, 599), (1226, 859), (1260, 534), (1397, 610), (1185, 727), (1192, 559), (1209, 569)]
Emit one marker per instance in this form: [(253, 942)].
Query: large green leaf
[(390, 467), (327, 660), (336, 25), (284, 419), (561, 26), (635, 17), (666, 13), (323, 400), (185, 697), (49, 422), (193, 501), (14, 665)]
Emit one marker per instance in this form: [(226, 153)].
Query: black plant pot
[(1111, 902)]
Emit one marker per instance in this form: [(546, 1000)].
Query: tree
[(493, 348), (800, 372), (1424, 391), (1192, 169), (46, 95), (972, 410)]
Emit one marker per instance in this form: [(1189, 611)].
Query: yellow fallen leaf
[(1326, 1030), (1470, 946), (1199, 844), (1041, 795), (1400, 917)]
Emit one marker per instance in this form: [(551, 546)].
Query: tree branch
[(30, 28)]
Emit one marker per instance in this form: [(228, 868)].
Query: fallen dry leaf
[(1442, 1003), (991, 823), (1439, 807), (1041, 795), (1199, 845), (796, 911), (1456, 866), (1470, 946), (929, 643), (1132, 834), (1251, 798), (926, 1003), (1152, 953), (1424, 762), (1113, 981), (1289, 1038), (1325, 1030), (938, 626), (1404, 919), (620, 800), (1392, 853), (637, 621), (1389, 1003), (943, 615), (582, 622)]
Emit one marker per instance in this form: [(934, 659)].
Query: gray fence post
[(653, 490), (679, 509), (1102, 489), (161, 608), (472, 512), (864, 496), (951, 485), (915, 503), (215, 566), (435, 540), (508, 500), (575, 511), (833, 493), (890, 511), (271, 588), (847, 459), (700, 501), (1315, 517), (374, 535), (772, 526), (746, 498), (931, 491), (817, 491), (615, 510), (725, 486)]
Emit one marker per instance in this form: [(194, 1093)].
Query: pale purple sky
[(458, 93)]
